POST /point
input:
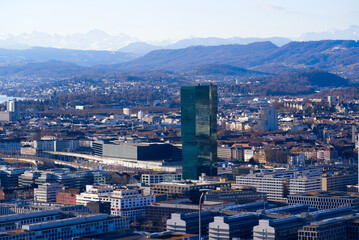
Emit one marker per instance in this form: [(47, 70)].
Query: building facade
[(230, 227), (325, 200), (199, 106)]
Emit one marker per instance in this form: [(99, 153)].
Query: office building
[(47, 192), (149, 179), (325, 200), (158, 213), (168, 235), (94, 193), (305, 184), (231, 227), (28, 207), (199, 130), (70, 228), (9, 177), (185, 189), (15, 221), (129, 202), (138, 151), (10, 146), (245, 194), (338, 181), (12, 112), (275, 187), (189, 222), (284, 228), (269, 119), (344, 227), (276, 183), (67, 196)]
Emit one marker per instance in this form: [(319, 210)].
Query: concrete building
[(9, 177), (232, 227), (28, 178), (338, 181), (325, 200), (67, 196), (272, 229), (189, 222), (129, 202), (12, 112), (168, 235), (82, 226), (344, 227), (47, 192), (199, 106), (245, 194), (10, 146), (149, 179), (26, 207), (276, 183), (127, 111), (94, 193), (57, 145), (138, 151), (305, 184), (269, 119), (158, 213), (185, 189), (15, 221), (276, 188)]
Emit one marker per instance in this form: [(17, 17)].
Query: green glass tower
[(199, 130)]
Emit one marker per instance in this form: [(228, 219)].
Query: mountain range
[(335, 56), (100, 40), (330, 55)]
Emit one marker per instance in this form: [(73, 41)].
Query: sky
[(156, 20)]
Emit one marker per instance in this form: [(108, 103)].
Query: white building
[(230, 227), (269, 119), (70, 228), (127, 111), (275, 187), (157, 178), (93, 193), (305, 184), (140, 115), (129, 202), (47, 192), (271, 229)]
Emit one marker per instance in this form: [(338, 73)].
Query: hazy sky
[(178, 19)]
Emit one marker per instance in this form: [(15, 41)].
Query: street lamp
[(203, 192)]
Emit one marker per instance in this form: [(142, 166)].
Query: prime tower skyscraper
[(199, 106)]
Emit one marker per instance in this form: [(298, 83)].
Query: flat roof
[(322, 194)]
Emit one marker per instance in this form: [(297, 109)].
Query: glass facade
[(199, 130)]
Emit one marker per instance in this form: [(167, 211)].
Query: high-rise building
[(199, 130), (269, 119)]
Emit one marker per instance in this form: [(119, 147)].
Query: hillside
[(80, 57), (331, 55), (300, 83), (49, 69), (221, 69), (187, 58)]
